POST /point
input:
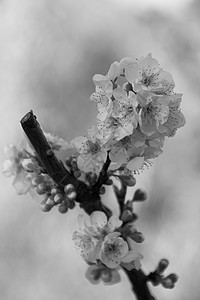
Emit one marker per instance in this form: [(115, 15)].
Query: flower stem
[(103, 174)]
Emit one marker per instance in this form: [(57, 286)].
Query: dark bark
[(140, 288)]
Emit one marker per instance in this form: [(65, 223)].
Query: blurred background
[(49, 52)]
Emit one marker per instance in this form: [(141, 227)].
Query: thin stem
[(120, 195), (103, 174)]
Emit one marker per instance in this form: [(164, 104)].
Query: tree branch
[(103, 174), (88, 198), (49, 161), (140, 288)]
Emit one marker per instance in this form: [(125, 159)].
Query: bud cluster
[(71, 163), (157, 276), (65, 199)]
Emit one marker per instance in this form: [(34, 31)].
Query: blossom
[(115, 128), (113, 249), (57, 143), (153, 113), (146, 74), (13, 166), (96, 273), (135, 116), (124, 107), (91, 154), (100, 240)]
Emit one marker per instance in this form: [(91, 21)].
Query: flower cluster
[(137, 109), (30, 177), (105, 245), (20, 164)]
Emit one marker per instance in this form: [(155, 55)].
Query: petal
[(96, 97), (110, 277), (104, 108), (120, 95), (99, 79), (118, 156), (21, 184), (98, 219), (110, 261), (114, 71), (112, 250), (11, 151), (132, 71), (135, 264), (114, 222), (175, 120), (87, 244), (135, 163), (149, 65), (79, 143), (93, 274), (9, 168), (144, 97), (147, 123), (162, 113), (124, 63), (131, 256)]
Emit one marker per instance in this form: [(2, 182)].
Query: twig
[(103, 174), (88, 198), (140, 288), (49, 161)]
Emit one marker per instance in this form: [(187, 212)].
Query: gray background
[(49, 51)]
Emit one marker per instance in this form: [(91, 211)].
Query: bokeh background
[(49, 51)]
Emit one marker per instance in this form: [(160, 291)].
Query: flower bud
[(36, 180), (139, 195), (63, 208), (109, 181), (71, 196), (58, 198), (173, 277), (50, 202), (69, 188), (102, 190), (167, 283), (41, 188), (54, 191), (71, 204), (77, 174), (91, 178), (126, 216), (162, 266), (68, 161), (46, 207)]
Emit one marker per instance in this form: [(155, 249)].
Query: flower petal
[(110, 277), (114, 223), (98, 219), (132, 71), (93, 274), (135, 163)]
